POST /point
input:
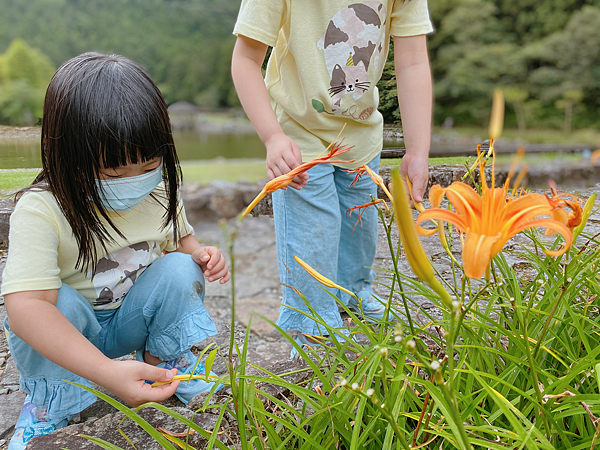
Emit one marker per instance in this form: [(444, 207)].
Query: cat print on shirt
[(352, 42), (115, 274)]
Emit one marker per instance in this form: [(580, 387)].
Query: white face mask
[(124, 194)]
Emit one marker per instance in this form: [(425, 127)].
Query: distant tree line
[(545, 54)]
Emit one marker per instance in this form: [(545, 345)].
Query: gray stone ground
[(257, 292)]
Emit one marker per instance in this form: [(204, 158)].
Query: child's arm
[(210, 259), (415, 97), (283, 153), (33, 317)]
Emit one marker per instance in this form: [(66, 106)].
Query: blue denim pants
[(314, 224), (162, 313)]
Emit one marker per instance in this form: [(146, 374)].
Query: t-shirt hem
[(37, 285), (412, 30), (251, 32)]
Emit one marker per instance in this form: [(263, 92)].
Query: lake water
[(25, 153)]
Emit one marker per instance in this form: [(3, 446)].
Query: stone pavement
[(257, 293)]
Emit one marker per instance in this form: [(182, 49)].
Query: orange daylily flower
[(489, 220), (282, 181), (595, 156), (572, 218), (360, 171)]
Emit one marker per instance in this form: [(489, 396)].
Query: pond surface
[(191, 146), (25, 153)]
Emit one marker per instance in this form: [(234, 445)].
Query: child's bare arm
[(210, 259), (33, 317), (415, 97), (283, 153)]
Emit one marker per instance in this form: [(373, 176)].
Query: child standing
[(102, 260), (327, 58)]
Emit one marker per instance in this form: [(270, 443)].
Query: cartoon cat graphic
[(353, 37), (115, 274)]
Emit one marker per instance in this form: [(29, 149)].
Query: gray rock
[(10, 407), (10, 377), (107, 428)]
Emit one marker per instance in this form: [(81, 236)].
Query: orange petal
[(445, 215), (557, 227), (436, 194), (476, 254), (465, 199)]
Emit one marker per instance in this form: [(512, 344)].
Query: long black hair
[(102, 112)]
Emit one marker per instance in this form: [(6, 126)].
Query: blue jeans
[(314, 225), (162, 313)]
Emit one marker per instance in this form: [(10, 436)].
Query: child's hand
[(212, 262), (283, 155), (127, 380), (416, 166)]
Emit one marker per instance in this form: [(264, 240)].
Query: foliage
[(24, 76), (541, 49), (185, 45), (509, 364)]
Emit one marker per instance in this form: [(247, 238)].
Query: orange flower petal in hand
[(285, 179)]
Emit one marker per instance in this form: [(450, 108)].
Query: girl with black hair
[(102, 260)]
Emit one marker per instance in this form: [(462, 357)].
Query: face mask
[(124, 194)]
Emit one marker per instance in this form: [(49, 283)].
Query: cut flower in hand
[(284, 180)]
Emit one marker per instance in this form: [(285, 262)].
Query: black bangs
[(102, 112), (120, 111)]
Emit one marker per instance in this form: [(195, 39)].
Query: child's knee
[(181, 273), (180, 266), (77, 310)]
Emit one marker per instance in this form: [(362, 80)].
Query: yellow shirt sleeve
[(410, 18), (261, 20), (32, 263)]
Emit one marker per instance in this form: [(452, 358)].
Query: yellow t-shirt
[(327, 59), (42, 250)]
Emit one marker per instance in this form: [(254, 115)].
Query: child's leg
[(358, 241), (41, 379), (307, 225), (162, 313)]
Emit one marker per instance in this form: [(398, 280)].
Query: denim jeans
[(162, 313), (314, 225)]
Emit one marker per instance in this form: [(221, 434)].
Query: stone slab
[(10, 377), (252, 307), (107, 428), (9, 411)]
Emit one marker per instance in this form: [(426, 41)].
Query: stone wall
[(225, 200)]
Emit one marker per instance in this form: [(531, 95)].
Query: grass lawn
[(589, 136), (201, 172), (233, 170), (12, 180)]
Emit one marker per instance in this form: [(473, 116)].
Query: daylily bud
[(412, 246), (497, 117), (585, 216), (320, 278)]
